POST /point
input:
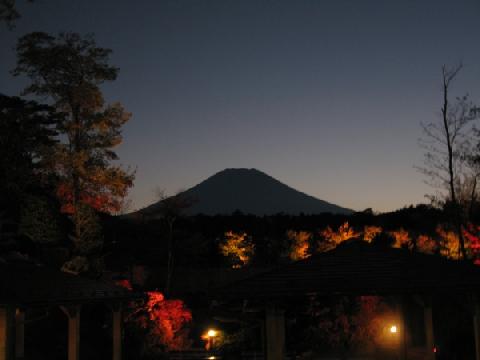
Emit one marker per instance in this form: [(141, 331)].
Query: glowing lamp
[(393, 329), (211, 333)]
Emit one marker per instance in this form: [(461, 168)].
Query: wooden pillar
[(117, 331), (73, 314), (403, 330), (476, 326), (20, 334), (6, 332), (429, 334), (274, 333)]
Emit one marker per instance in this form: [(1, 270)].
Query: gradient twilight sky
[(325, 95)]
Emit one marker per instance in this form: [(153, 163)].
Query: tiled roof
[(360, 269), (31, 285)]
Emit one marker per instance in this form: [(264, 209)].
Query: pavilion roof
[(360, 269), (34, 285)]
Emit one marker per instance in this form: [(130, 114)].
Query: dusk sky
[(325, 96)]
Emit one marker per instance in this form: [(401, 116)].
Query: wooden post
[(403, 329), (429, 334), (274, 333), (20, 334), (6, 332), (73, 314), (476, 326), (117, 331)]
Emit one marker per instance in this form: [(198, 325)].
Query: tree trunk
[(170, 260), (451, 171)]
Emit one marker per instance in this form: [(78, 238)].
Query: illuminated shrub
[(331, 239), (238, 248), (402, 238), (371, 232), (299, 244)]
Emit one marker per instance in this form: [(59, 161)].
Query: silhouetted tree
[(9, 12), (69, 69), (170, 209), (27, 142), (445, 142)]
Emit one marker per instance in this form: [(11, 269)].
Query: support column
[(403, 330), (20, 334), (429, 334), (117, 331), (476, 326), (73, 314), (274, 333), (6, 332)]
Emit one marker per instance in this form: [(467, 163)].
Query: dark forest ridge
[(251, 192)]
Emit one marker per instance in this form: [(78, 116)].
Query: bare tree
[(170, 209), (446, 141)]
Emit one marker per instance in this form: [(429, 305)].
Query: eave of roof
[(359, 269), (32, 285)]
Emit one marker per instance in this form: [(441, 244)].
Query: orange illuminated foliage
[(101, 192), (238, 247), (163, 321), (370, 232), (402, 238), (169, 317), (300, 243), (449, 243), (331, 239), (426, 244)]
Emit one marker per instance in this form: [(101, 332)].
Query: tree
[(162, 324), (299, 244), (27, 142), (69, 70), (445, 142), (330, 239), (171, 208), (9, 12), (238, 247)]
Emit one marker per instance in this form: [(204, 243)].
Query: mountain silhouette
[(249, 191)]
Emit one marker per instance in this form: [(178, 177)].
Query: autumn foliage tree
[(238, 247), (299, 244), (330, 238), (162, 323), (69, 69)]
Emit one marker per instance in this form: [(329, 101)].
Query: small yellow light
[(211, 333), (393, 329), (211, 358)]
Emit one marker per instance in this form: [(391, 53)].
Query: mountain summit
[(251, 192)]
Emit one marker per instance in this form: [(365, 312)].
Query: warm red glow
[(472, 240), (125, 283), (164, 321)]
